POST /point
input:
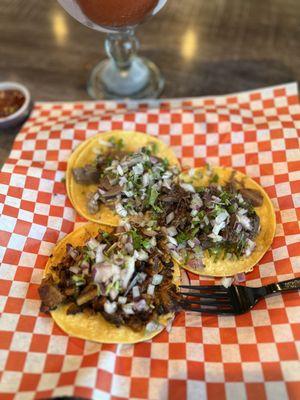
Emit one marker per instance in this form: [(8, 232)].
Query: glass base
[(142, 80)]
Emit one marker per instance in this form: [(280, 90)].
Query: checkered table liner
[(253, 356)]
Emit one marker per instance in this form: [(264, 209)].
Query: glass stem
[(121, 47)]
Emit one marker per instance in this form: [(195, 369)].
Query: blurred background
[(202, 46)]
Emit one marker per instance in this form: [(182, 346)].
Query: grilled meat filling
[(115, 276)]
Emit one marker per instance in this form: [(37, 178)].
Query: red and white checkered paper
[(254, 356)]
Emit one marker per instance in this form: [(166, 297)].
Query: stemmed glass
[(123, 74)]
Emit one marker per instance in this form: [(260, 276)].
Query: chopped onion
[(120, 210), (92, 244), (105, 271), (120, 170), (218, 227), (99, 253), (141, 305), (129, 247), (187, 187), (74, 269), (127, 272), (146, 179), (196, 202), (150, 289), (227, 282), (135, 292), (206, 220), (142, 276), (128, 309), (194, 213), (113, 293), (85, 264), (215, 238), (191, 243), (109, 307), (244, 221), (140, 255), (157, 279), (221, 217), (172, 231), (122, 300), (153, 326), (250, 246), (172, 240)]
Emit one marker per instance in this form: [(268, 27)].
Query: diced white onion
[(250, 246), (120, 170), (120, 210), (215, 238), (191, 243), (127, 272), (74, 269), (172, 231), (157, 279), (221, 217), (92, 244), (128, 309), (187, 187), (218, 227), (122, 300), (206, 220), (135, 292), (244, 221), (141, 305), (146, 180), (113, 293), (142, 276), (150, 290), (196, 202), (99, 253), (153, 326), (172, 240), (109, 307), (105, 271), (170, 217)]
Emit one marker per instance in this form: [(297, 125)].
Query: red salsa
[(11, 100)]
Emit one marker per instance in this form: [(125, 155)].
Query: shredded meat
[(254, 197)]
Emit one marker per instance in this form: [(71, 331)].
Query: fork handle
[(284, 286)]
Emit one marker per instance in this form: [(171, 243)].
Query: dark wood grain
[(202, 46)]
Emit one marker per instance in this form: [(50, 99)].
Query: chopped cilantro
[(139, 241), (214, 179), (117, 143), (182, 237), (105, 235), (154, 148), (153, 196)]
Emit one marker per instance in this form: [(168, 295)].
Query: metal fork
[(233, 300)]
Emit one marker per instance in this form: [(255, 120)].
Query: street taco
[(116, 174), (216, 221), (110, 285)]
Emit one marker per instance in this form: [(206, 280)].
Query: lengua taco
[(110, 285), (217, 221), (119, 173)]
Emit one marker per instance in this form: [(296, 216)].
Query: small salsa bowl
[(21, 113)]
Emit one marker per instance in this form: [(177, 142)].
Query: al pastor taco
[(110, 285), (118, 174)]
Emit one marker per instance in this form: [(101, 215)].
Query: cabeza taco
[(216, 221), (118, 174), (110, 285)]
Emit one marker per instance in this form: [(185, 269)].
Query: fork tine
[(219, 296), (205, 310), (211, 288), (207, 302)]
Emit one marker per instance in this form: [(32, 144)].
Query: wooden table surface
[(203, 47)]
